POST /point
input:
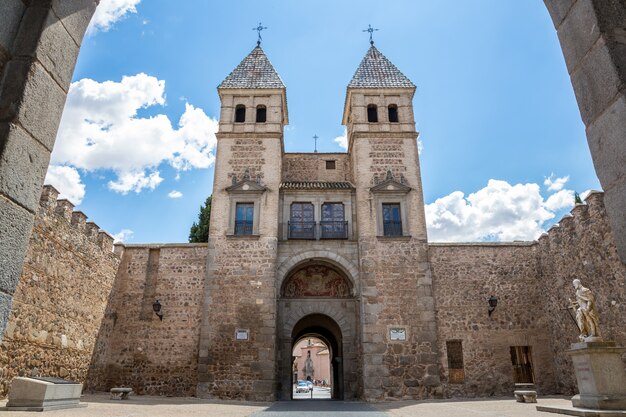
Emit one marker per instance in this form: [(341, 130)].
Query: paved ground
[(99, 405)]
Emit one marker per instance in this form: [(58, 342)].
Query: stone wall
[(533, 282), (135, 348), (581, 246), (312, 167), (61, 296), (464, 277)]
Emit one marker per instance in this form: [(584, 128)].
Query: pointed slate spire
[(376, 71), (255, 71)]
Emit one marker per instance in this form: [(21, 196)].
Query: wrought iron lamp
[(156, 306), (493, 302)]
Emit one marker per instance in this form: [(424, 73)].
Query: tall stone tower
[(398, 328), (236, 351)]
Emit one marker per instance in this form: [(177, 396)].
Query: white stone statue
[(586, 313)]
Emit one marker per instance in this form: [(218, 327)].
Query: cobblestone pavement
[(320, 408), (99, 405)]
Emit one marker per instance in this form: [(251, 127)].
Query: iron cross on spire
[(316, 138), (259, 29), (371, 31)]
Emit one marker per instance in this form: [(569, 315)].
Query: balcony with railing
[(243, 228), (302, 230), (392, 228), (333, 230)]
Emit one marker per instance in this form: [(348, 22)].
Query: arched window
[(240, 113), (261, 114), (372, 113), (393, 113)]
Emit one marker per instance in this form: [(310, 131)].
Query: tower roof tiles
[(376, 71), (254, 71)]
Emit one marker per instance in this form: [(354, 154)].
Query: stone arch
[(329, 331), (39, 44), (338, 261), (343, 339)]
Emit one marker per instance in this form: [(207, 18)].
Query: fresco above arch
[(317, 281)]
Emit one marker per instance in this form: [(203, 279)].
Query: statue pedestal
[(600, 375), (601, 381)]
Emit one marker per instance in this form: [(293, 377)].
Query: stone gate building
[(325, 245)]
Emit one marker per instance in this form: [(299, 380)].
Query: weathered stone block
[(607, 140), (10, 16), (5, 311), (15, 230), (23, 166), (25, 87), (578, 33), (596, 82), (614, 202), (558, 10), (29, 394), (75, 16), (600, 375), (47, 40)]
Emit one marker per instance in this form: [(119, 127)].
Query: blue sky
[(503, 146)]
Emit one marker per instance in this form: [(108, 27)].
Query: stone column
[(593, 38), (39, 44)]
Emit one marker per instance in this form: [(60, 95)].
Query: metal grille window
[(330, 164), (333, 224), (302, 221), (392, 222), (244, 218), (522, 364), (456, 373)]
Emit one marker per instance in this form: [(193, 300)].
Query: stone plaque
[(241, 334), (397, 334)]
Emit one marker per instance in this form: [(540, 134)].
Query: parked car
[(302, 387)]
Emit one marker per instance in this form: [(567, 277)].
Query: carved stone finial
[(246, 175), (258, 179), (402, 179), (234, 179), (389, 175), (375, 180)]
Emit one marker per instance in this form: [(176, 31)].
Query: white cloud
[(123, 235), (560, 200), (342, 140), (175, 194), (555, 184), (100, 130), (500, 212), (135, 181), (110, 11), (67, 181)]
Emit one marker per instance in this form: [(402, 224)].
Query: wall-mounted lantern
[(493, 302), (156, 306)]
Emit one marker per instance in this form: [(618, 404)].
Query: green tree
[(199, 231), (577, 199)]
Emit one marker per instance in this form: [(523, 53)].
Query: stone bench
[(120, 393), (525, 396)]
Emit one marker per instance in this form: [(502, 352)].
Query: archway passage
[(322, 327), (317, 300)]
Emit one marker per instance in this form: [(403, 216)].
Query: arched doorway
[(319, 326), (317, 301)]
